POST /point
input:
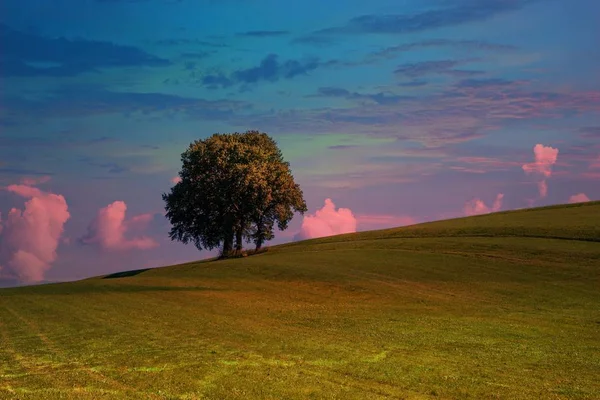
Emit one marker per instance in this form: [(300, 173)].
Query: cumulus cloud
[(579, 198), (29, 238), (108, 230), (327, 221), (545, 157), (478, 206)]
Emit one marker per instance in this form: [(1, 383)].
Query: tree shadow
[(125, 274)]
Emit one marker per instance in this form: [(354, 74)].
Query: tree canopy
[(233, 186)]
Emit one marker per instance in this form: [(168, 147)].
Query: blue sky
[(401, 111)]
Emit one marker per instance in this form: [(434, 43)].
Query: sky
[(390, 112)]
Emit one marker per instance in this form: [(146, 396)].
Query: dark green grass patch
[(503, 306)]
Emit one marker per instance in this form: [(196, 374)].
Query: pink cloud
[(543, 188), (477, 206), (368, 222), (327, 222), (441, 118), (579, 198), (468, 170), (545, 157), (141, 220), (490, 163), (29, 238), (175, 180), (109, 227), (595, 164), (591, 175), (25, 191), (35, 181)]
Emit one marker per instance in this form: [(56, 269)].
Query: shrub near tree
[(233, 186)]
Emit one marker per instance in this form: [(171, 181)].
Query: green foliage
[(232, 185), (506, 310)]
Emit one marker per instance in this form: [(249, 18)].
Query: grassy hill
[(500, 306)]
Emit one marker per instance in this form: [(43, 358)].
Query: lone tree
[(233, 186)]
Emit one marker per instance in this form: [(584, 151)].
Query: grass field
[(501, 306)]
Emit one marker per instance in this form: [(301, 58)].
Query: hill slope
[(497, 306)]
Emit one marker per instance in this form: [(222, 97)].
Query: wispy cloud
[(23, 171), (447, 67), (488, 84), (188, 42), (382, 221), (134, 1), (109, 167), (85, 100), (595, 163), (364, 173), (484, 164), (314, 40), (590, 132), (455, 114), (270, 69), (394, 51), (378, 98), (26, 54), (260, 34), (458, 13), (196, 54)]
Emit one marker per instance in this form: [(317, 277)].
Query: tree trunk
[(259, 234), (227, 246), (228, 239), (238, 239)]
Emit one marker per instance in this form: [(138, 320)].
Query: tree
[(272, 196), (232, 186)]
